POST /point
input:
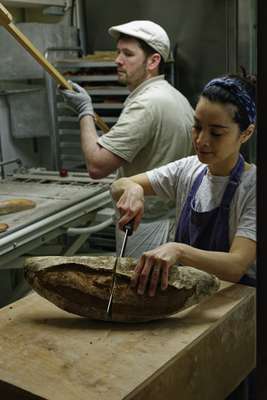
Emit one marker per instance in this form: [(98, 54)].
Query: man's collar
[(142, 85)]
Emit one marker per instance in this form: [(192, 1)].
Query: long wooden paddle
[(6, 22)]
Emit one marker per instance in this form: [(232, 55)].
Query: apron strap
[(197, 182), (233, 183)]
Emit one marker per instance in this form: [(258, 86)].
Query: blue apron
[(209, 230)]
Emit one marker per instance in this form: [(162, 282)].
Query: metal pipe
[(91, 229), (16, 239), (15, 160), (52, 105), (3, 163)]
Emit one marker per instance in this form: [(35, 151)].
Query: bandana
[(242, 96)]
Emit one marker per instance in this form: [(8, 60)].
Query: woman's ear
[(246, 135)]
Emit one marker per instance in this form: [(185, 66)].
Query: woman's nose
[(203, 138)]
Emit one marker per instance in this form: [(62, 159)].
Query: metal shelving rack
[(100, 79)]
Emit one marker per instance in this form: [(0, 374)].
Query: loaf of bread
[(3, 227), (81, 285), (15, 205)]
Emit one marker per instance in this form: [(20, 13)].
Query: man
[(153, 129)]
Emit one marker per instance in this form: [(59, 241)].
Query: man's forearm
[(100, 162), (89, 138)]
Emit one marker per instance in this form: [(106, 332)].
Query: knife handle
[(129, 226)]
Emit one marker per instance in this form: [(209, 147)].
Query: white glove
[(78, 99)]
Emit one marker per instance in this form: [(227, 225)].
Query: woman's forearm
[(119, 186), (230, 266), (139, 182)]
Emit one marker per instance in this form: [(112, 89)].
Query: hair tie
[(242, 96)]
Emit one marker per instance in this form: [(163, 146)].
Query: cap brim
[(115, 32)]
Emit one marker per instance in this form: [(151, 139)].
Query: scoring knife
[(128, 229)]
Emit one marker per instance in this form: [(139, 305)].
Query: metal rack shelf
[(81, 63), (99, 78), (93, 78), (108, 91), (34, 3)]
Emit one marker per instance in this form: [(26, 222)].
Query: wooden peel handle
[(35, 53), (5, 16), (6, 21)]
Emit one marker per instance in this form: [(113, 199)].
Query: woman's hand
[(129, 194), (154, 265), (131, 206)]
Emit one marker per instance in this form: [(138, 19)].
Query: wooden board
[(201, 353)]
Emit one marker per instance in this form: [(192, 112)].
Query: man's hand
[(78, 99)]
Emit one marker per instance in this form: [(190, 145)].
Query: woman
[(214, 191)]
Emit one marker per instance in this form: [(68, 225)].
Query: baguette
[(81, 285), (15, 205)]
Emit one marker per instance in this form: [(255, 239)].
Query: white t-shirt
[(174, 181)]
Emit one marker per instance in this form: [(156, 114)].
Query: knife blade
[(128, 229)]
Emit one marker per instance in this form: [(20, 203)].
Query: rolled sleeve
[(130, 134)]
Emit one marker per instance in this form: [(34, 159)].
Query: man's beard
[(122, 79), (133, 80)]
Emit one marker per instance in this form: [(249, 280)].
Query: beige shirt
[(153, 129)]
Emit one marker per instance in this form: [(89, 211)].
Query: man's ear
[(153, 61), (246, 135)]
